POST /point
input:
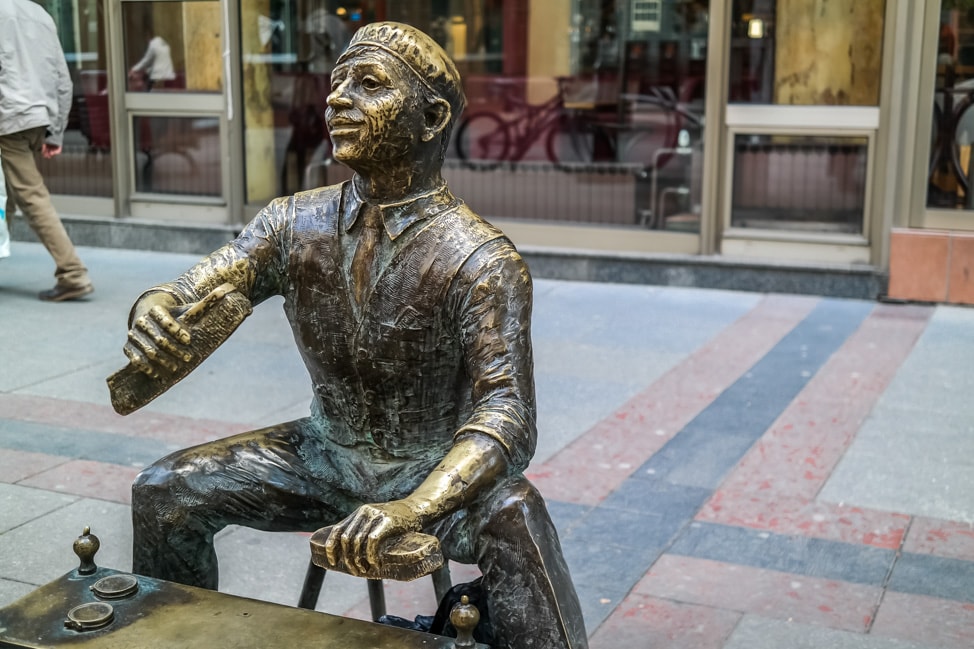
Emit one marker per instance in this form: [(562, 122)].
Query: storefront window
[(177, 155), (578, 111), (84, 167), (806, 52), (950, 173), (799, 183), (173, 46)]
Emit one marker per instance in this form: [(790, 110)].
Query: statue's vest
[(390, 372)]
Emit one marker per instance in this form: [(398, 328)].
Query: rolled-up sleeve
[(494, 297)]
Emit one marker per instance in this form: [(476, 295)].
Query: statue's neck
[(392, 188)]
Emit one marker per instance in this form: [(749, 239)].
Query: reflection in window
[(177, 155), (950, 178), (289, 51), (84, 167), (801, 183), (173, 46), (604, 126), (806, 52)]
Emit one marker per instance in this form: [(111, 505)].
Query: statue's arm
[(493, 304), (496, 336), (253, 262)]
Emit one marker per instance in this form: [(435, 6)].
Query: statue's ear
[(437, 117)]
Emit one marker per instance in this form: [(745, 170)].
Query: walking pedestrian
[(35, 97)]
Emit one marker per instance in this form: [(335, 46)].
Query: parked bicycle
[(575, 133)]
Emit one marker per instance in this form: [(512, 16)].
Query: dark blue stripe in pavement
[(709, 446), (800, 555), (922, 574), (80, 444)]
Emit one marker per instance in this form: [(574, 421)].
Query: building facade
[(802, 134)]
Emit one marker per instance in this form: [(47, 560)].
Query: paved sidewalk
[(726, 470)]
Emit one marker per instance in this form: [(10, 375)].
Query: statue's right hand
[(158, 344)]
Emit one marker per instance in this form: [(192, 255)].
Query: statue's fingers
[(157, 358), (363, 559), (332, 544), (352, 540), (165, 341), (138, 360), (170, 324), (167, 344), (372, 551)]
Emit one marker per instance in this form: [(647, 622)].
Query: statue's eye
[(371, 83)]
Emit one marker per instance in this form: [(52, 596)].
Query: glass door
[(800, 128), (175, 107)]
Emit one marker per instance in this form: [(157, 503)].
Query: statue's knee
[(517, 500), (152, 485)]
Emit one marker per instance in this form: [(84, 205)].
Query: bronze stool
[(315, 577)]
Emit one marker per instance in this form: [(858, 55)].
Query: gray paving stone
[(19, 505), (755, 632), (566, 516), (928, 483), (604, 568), (570, 406), (40, 551), (271, 566), (647, 495), (598, 603), (11, 591), (240, 382)]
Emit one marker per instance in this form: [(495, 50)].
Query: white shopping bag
[(4, 230)]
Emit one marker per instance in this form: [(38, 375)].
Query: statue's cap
[(420, 53)]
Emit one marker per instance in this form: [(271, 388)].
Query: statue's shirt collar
[(398, 216)]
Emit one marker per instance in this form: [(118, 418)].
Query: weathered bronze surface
[(464, 618), (163, 614), (413, 318), (86, 546), (404, 558), (209, 323)]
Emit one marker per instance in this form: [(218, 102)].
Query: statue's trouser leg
[(259, 479), (530, 595)]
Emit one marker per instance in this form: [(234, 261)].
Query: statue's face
[(374, 112)]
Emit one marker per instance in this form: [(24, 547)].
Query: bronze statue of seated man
[(413, 317)]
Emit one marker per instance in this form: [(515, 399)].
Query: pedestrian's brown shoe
[(62, 293)]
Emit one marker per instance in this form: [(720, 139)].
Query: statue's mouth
[(340, 125), (343, 130)]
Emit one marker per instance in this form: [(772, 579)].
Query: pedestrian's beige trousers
[(26, 188)]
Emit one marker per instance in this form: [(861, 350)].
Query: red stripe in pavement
[(643, 621), (87, 479), (925, 621), (774, 487), (950, 539), (181, 431), (18, 465), (768, 593), (596, 463)]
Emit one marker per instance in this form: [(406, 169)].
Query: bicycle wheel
[(570, 143), (650, 136), (483, 140)]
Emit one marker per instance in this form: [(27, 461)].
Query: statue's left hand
[(359, 538)]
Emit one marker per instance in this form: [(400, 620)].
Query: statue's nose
[(338, 98)]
